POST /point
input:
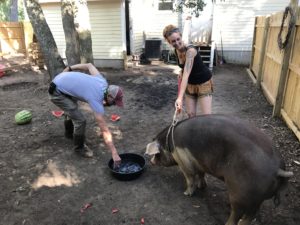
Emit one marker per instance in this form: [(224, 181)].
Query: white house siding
[(52, 13), (200, 27), (233, 21), (148, 22), (137, 13), (159, 20), (106, 30)]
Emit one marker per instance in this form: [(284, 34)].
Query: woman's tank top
[(200, 72)]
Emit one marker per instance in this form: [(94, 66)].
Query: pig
[(230, 149)]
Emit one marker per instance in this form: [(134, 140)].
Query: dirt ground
[(44, 182)]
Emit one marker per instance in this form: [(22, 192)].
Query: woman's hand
[(179, 76), (178, 104)]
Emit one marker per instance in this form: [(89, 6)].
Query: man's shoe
[(85, 152), (69, 129)]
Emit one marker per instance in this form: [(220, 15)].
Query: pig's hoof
[(188, 192), (202, 185)]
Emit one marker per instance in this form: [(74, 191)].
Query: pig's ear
[(152, 148)]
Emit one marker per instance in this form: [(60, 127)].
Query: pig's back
[(226, 141), (221, 128)]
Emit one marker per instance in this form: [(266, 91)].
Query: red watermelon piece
[(115, 117), (2, 71), (114, 210), (57, 113)]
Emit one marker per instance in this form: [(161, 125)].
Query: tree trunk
[(71, 36), (53, 60), (13, 11), (83, 28)]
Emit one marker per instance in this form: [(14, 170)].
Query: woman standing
[(195, 77)]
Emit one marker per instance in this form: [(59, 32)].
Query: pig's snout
[(151, 150), (150, 158)]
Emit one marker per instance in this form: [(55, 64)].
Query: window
[(165, 5)]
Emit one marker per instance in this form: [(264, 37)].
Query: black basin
[(128, 157)]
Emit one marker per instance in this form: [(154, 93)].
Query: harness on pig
[(171, 130)]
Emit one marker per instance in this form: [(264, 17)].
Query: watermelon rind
[(57, 113), (23, 117)]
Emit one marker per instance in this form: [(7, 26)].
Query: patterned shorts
[(199, 90)]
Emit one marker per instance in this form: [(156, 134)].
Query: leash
[(171, 129)]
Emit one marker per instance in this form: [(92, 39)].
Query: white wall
[(137, 16), (201, 27), (52, 13), (233, 21), (107, 29), (149, 22), (106, 25)]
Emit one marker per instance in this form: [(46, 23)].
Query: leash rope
[(171, 130)]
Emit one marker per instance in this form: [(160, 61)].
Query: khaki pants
[(70, 107)]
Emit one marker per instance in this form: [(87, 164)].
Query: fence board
[(270, 77), (291, 101), (273, 58), (28, 35), (12, 37), (258, 44), (258, 50)]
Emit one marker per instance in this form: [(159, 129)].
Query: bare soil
[(44, 182)]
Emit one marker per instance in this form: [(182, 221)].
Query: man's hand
[(107, 136), (67, 69), (85, 67), (116, 158)]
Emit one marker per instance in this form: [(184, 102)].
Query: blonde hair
[(170, 29)]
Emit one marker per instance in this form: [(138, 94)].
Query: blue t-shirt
[(83, 87)]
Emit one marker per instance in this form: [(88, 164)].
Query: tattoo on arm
[(189, 62)]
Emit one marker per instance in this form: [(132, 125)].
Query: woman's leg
[(205, 103), (201, 103), (191, 105)]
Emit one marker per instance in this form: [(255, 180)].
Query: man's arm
[(107, 137), (87, 67)]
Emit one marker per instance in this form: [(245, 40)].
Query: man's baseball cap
[(117, 94)]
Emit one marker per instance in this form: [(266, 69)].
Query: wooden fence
[(277, 71), (15, 37)]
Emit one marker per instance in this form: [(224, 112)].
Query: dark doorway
[(127, 27)]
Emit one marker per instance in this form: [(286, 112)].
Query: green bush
[(5, 10)]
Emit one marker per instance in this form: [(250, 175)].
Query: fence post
[(285, 65), (28, 34), (253, 43), (263, 51), (24, 51)]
